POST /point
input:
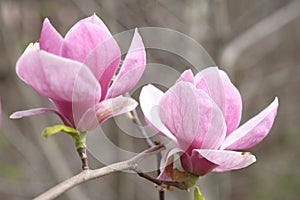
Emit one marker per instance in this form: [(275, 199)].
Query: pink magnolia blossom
[(201, 114), (76, 73)]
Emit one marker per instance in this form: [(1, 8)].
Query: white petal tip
[(249, 156), (15, 116), (276, 100)]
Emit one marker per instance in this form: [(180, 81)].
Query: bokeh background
[(257, 42)]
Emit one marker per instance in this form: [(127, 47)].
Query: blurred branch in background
[(262, 29)]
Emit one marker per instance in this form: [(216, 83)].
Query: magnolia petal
[(32, 47), (212, 126), (218, 86), (54, 77), (38, 111), (103, 61), (254, 130), (227, 160), (50, 40), (179, 112), (193, 117), (82, 101), (96, 20), (149, 102), (83, 37), (187, 76), (132, 69), (105, 110), (233, 103), (113, 107), (65, 108), (196, 164), (209, 81)]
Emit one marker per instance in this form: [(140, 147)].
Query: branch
[(164, 184), (149, 142), (137, 121), (87, 175), (231, 53)]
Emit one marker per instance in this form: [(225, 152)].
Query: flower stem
[(83, 156), (80, 143), (161, 195)]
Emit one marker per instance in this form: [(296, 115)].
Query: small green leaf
[(197, 194), (78, 137), (59, 128)]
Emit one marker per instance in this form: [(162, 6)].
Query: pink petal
[(95, 20), (105, 110), (83, 37), (210, 82), (149, 102), (84, 97), (69, 84), (66, 109), (233, 103), (81, 102), (132, 68), (38, 111), (50, 40), (179, 112), (254, 130), (103, 61), (227, 160), (187, 76), (212, 123), (193, 117), (196, 164), (54, 77), (218, 86)]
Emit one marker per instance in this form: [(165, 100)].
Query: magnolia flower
[(201, 114), (76, 73)]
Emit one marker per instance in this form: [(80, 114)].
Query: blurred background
[(257, 42)]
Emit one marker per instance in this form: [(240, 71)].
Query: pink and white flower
[(76, 73), (201, 114)]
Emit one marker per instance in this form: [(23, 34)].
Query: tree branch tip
[(158, 147)]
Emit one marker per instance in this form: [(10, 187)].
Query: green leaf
[(78, 137), (197, 194), (59, 128)]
